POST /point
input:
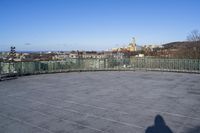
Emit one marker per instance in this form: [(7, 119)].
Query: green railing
[(166, 64), (157, 64)]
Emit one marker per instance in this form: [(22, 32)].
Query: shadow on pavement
[(159, 126)]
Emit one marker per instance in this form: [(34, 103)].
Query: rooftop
[(100, 102)]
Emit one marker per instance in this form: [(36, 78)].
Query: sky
[(64, 25)]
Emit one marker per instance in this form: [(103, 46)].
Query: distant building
[(140, 55), (130, 48), (73, 54), (118, 55), (61, 56), (90, 54), (150, 47)]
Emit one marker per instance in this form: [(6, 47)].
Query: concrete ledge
[(15, 75)]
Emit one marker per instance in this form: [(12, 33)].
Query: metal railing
[(148, 64)]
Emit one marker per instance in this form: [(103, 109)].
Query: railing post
[(0, 71), (198, 65), (99, 64)]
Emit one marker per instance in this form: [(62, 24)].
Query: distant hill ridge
[(183, 44)]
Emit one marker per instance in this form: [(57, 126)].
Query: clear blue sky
[(94, 24)]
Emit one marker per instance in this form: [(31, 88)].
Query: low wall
[(128, 64)]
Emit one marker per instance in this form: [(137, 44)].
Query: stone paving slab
[(100, 102)]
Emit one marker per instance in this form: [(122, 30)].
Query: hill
[(182, 45)]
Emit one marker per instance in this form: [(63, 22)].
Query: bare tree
[(194, 36)]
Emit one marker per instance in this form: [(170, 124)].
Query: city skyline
[(94, 25)]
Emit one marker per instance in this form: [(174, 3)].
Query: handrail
[(111, 64)]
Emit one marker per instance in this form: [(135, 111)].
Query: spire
[(133, 41)]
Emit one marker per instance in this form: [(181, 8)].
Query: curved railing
[(149, 64)]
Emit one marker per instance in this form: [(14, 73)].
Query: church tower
[(133, 44), (133, 41)]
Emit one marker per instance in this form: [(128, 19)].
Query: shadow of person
[(159, 126)]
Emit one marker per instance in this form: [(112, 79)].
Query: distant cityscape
[(185, 49)]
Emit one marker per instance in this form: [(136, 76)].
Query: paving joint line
[(87, 114), (25, 122), (55, 117), (168, 113)]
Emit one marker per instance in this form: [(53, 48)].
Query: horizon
[(66, 25)]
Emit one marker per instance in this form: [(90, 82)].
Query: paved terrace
[(100, 102)]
